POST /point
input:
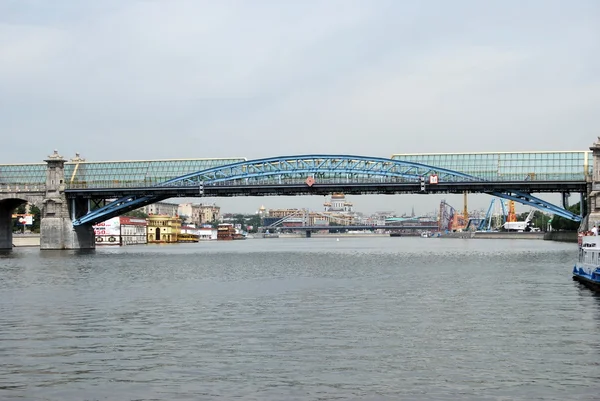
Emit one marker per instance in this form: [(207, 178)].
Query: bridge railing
[(22, 188), (10, 188)]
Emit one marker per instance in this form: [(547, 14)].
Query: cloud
[(168, 79)]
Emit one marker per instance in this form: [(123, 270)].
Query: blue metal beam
[(327, 168), (528, 199)]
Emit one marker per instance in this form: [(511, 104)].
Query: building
[(339, 210), (338, 204), (189, 213), (121, 230), (163, 228), (209, 213), (162, 208)]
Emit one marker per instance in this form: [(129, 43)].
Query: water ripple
[(358, 319)]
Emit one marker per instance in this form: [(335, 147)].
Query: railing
[(320, 180), (10, 188)]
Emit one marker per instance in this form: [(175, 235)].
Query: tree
[(538, 220), (37, 218), (138, 213), (560, 223), (334, 230), (21, 209), (254, 222)]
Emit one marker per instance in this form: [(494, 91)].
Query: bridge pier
[(7, 207), (6, 234), (56, 226)]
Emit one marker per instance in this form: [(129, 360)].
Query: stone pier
[(56, 227), (6, 210)]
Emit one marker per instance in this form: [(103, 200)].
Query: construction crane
[(488, 222), (512, 215)]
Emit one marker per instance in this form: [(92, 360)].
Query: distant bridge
[(358, 227)]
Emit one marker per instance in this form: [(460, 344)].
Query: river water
[(299, 319)]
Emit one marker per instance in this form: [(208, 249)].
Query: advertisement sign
[(108, 227), (26, 220)]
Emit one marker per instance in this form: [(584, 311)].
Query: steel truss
[(330, 169)]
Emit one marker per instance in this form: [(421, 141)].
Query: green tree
[(334, 230), (562, 224), (21, 209), (138, 213), (539, 219), (253, 221), (37, 218)]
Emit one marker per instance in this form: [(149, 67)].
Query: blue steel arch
[(328, 169)]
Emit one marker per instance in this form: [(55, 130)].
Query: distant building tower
[(338, 204), (262, 211)]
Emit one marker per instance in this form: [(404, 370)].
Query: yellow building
[(163, 228)]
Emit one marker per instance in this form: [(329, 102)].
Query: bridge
[(357, 227), (73, 195)]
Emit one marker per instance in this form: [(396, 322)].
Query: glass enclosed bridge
[(511, 166)]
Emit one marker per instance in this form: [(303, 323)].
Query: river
[(299, 319)]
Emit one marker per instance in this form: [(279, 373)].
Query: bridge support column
[(56, 226), (5, 227), (308, 233), (7, 207)]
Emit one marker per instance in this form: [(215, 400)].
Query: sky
[(150, 79)]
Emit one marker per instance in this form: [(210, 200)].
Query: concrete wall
[(20, 240), (5, 228), (496, 235), (562, 236)]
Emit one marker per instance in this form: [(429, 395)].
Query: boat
[(425, 234), (238, 235), (587, 269), (225, 232), (268, 234), (395, 234), (187, 238)]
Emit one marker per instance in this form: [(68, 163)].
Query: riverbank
[(20, 240), (496, 235)]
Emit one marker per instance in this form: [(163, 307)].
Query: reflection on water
[(374, 318)]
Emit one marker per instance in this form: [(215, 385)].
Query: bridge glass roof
[(511, 166), (110, 174), (134, 173), (23, 174)]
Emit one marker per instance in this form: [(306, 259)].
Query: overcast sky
[(116, 79)]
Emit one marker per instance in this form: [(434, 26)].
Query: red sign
[(310, 181), (433, 179)]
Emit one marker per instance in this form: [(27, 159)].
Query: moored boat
[(587, 268)]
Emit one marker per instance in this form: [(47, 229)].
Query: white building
[(121, 230), (168, 209)]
